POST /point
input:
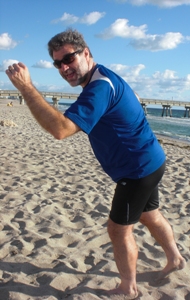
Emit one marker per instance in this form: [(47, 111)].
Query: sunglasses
[(67, 59)]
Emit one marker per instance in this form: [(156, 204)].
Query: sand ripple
[(55, 201)]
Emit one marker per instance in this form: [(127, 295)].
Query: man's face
[(76, 72)]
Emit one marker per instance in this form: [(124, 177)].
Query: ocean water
[(177, 126)]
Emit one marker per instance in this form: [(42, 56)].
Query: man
[(110, 113)]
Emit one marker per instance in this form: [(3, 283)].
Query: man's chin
[(72, 83)]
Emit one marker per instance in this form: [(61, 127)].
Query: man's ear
[(86, 53)]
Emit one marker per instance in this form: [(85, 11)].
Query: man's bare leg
[(125, 254), (162, 232)]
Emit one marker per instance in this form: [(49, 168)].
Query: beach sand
[(54, 206)]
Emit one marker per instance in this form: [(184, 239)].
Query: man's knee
[(150, 217), (117, 231)]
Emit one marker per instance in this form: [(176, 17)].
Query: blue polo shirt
[(108, 111)]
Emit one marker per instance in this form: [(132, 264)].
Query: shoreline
[(163, 139)]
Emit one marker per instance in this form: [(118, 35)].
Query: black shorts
[(134, 196)]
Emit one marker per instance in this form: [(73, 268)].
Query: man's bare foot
[(119, 291), (169, 269)]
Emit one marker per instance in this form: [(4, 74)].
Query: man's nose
[(64, 67)]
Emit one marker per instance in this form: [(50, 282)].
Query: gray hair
[(69, 36)]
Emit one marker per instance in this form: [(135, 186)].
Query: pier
[(166, 106), (56, 97)]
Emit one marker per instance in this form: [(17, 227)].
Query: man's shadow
[(42, 287)]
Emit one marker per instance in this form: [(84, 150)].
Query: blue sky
[(147, 42)]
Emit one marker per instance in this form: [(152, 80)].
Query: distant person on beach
[(108, 111), (10, 104)]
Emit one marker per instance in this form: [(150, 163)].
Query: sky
[(146, 42)]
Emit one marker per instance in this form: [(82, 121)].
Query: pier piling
[(144, 108), (166, 108), (187, 111), (55, 101)]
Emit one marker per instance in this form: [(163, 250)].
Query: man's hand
[(47, 116), (19, 76)]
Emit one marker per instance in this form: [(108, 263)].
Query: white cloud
[(7, 63), (187, 82), (67, 19), (139, 39), (121, 28), (154, 43), (91, 18), (43, 64), (167, 74), (160, 85), (127, 71), (169, 82), (88, 19), (160, 3), (6, 42)]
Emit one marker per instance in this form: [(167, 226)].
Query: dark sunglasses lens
[(69, 58), (57, 64)]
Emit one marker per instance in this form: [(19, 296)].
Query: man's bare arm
[(47, 116)]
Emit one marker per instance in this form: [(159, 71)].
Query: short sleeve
[(94, 101)]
